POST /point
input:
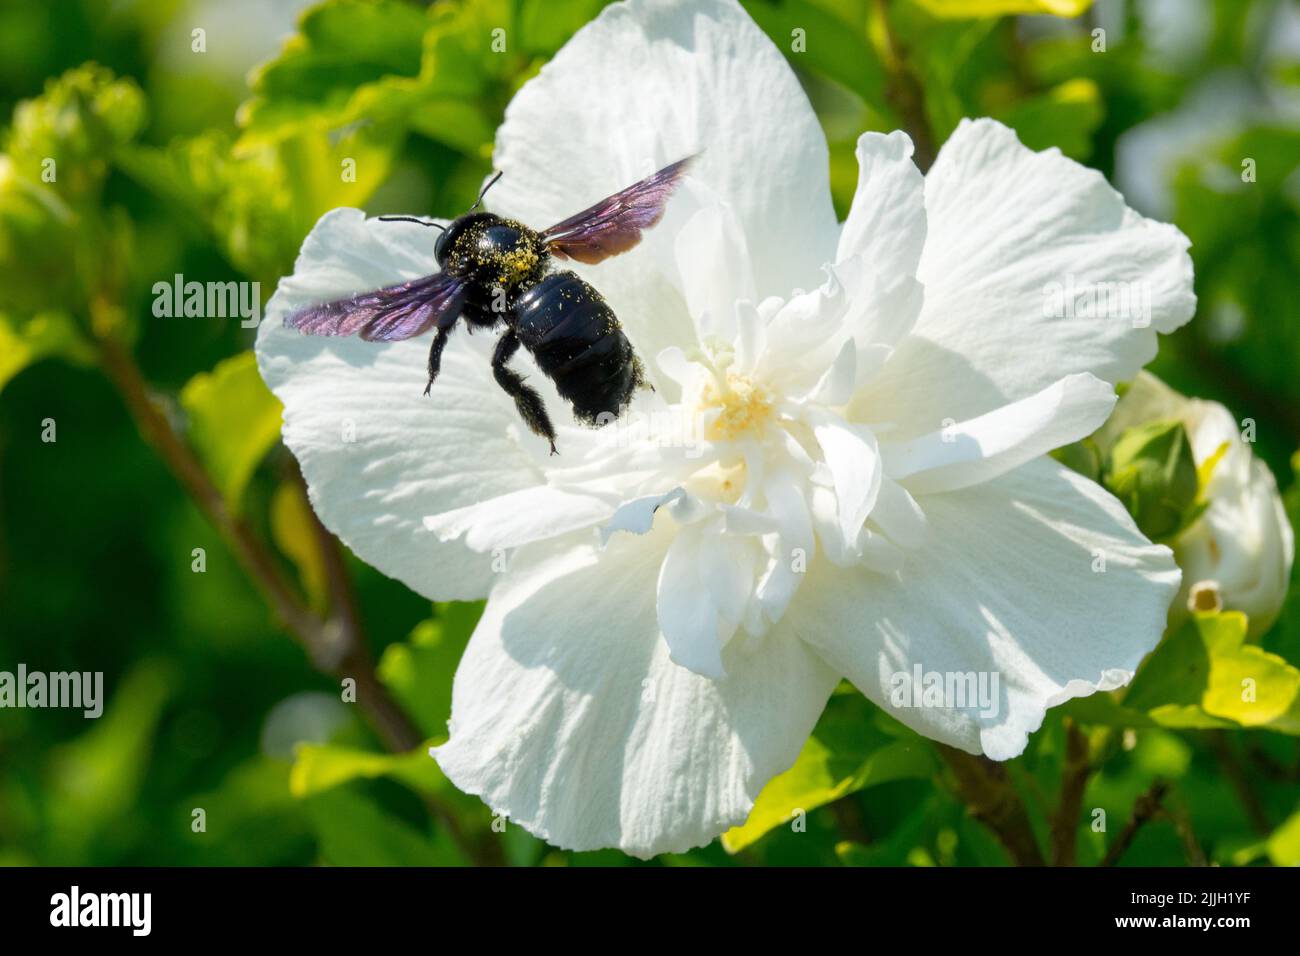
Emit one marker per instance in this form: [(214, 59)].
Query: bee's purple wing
[(394, 312), (614, 224)]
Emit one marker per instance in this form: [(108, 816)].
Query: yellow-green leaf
[(823, 774), (1205, 675), (293, 528), (958, 9), (234, 420), (320, 767), (43, 336), (1283, 845)]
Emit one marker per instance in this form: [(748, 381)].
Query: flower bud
[(1236, 546), (1151, 469)]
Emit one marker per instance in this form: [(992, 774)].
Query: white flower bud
[(1238, 554)]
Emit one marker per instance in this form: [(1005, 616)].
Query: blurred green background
[(215, 163)]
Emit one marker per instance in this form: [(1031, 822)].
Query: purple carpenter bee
[(495, 270)]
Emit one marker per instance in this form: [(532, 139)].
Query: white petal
[(897, 514), (1011, 235), (1007, 584), (835, 387), (704, 583), (883, 307), (589, 736), (804, 336), (751, 338), (854, 461), (786, 504), (522, 517), (638, 515), (377, 455), (886, 223), (970, 452), (714, 270), (1245, 543), (643, 85)]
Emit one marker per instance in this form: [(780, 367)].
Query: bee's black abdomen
[(577, 342)]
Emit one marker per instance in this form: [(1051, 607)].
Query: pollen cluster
[(743, 407), (515, 265)]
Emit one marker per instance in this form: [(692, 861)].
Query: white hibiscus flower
[(866, 490)]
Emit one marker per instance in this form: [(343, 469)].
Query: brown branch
[(1183, 827), (335, 646), (990, 798), (904, 92), (1074, 779), (848, 819), (1236, 774), (257, 562), (1273, 768), (1146, 807)]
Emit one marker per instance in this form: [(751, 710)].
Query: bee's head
[(467, 231), (452, 242)]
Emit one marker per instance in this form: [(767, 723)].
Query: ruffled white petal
[(379, 456), (644, 84), (1008, 582), (568, 715), (971, 452), (886, 222), (1033, 268)]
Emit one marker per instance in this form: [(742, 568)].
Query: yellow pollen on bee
[(516, 264), (743, 406)]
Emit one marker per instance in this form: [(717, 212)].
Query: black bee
[(494, 270)]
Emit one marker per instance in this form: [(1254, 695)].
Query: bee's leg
[(527, 401), (440, 337)]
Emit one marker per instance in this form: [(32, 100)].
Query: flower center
[(743, 406), (732, 404)]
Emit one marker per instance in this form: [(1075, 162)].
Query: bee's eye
[(441, 246)]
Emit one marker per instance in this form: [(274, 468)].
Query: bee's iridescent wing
[(394, 312), (614, 224)]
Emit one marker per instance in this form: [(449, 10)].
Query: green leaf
[(419, 671), (234, 420), (48, 335), (294, 529), (845, 754), (58, 246), (1081, 456), (64, 138), (353, 830), (832, 46), (1283, 845), (1065, 116), (1151, 469), (904, 845), (96, 778), (1002, 8), (320, 767), (259, 201), (350, 60), (1205, 675)]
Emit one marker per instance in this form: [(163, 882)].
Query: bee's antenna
[(411, 219), (491, 183)]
